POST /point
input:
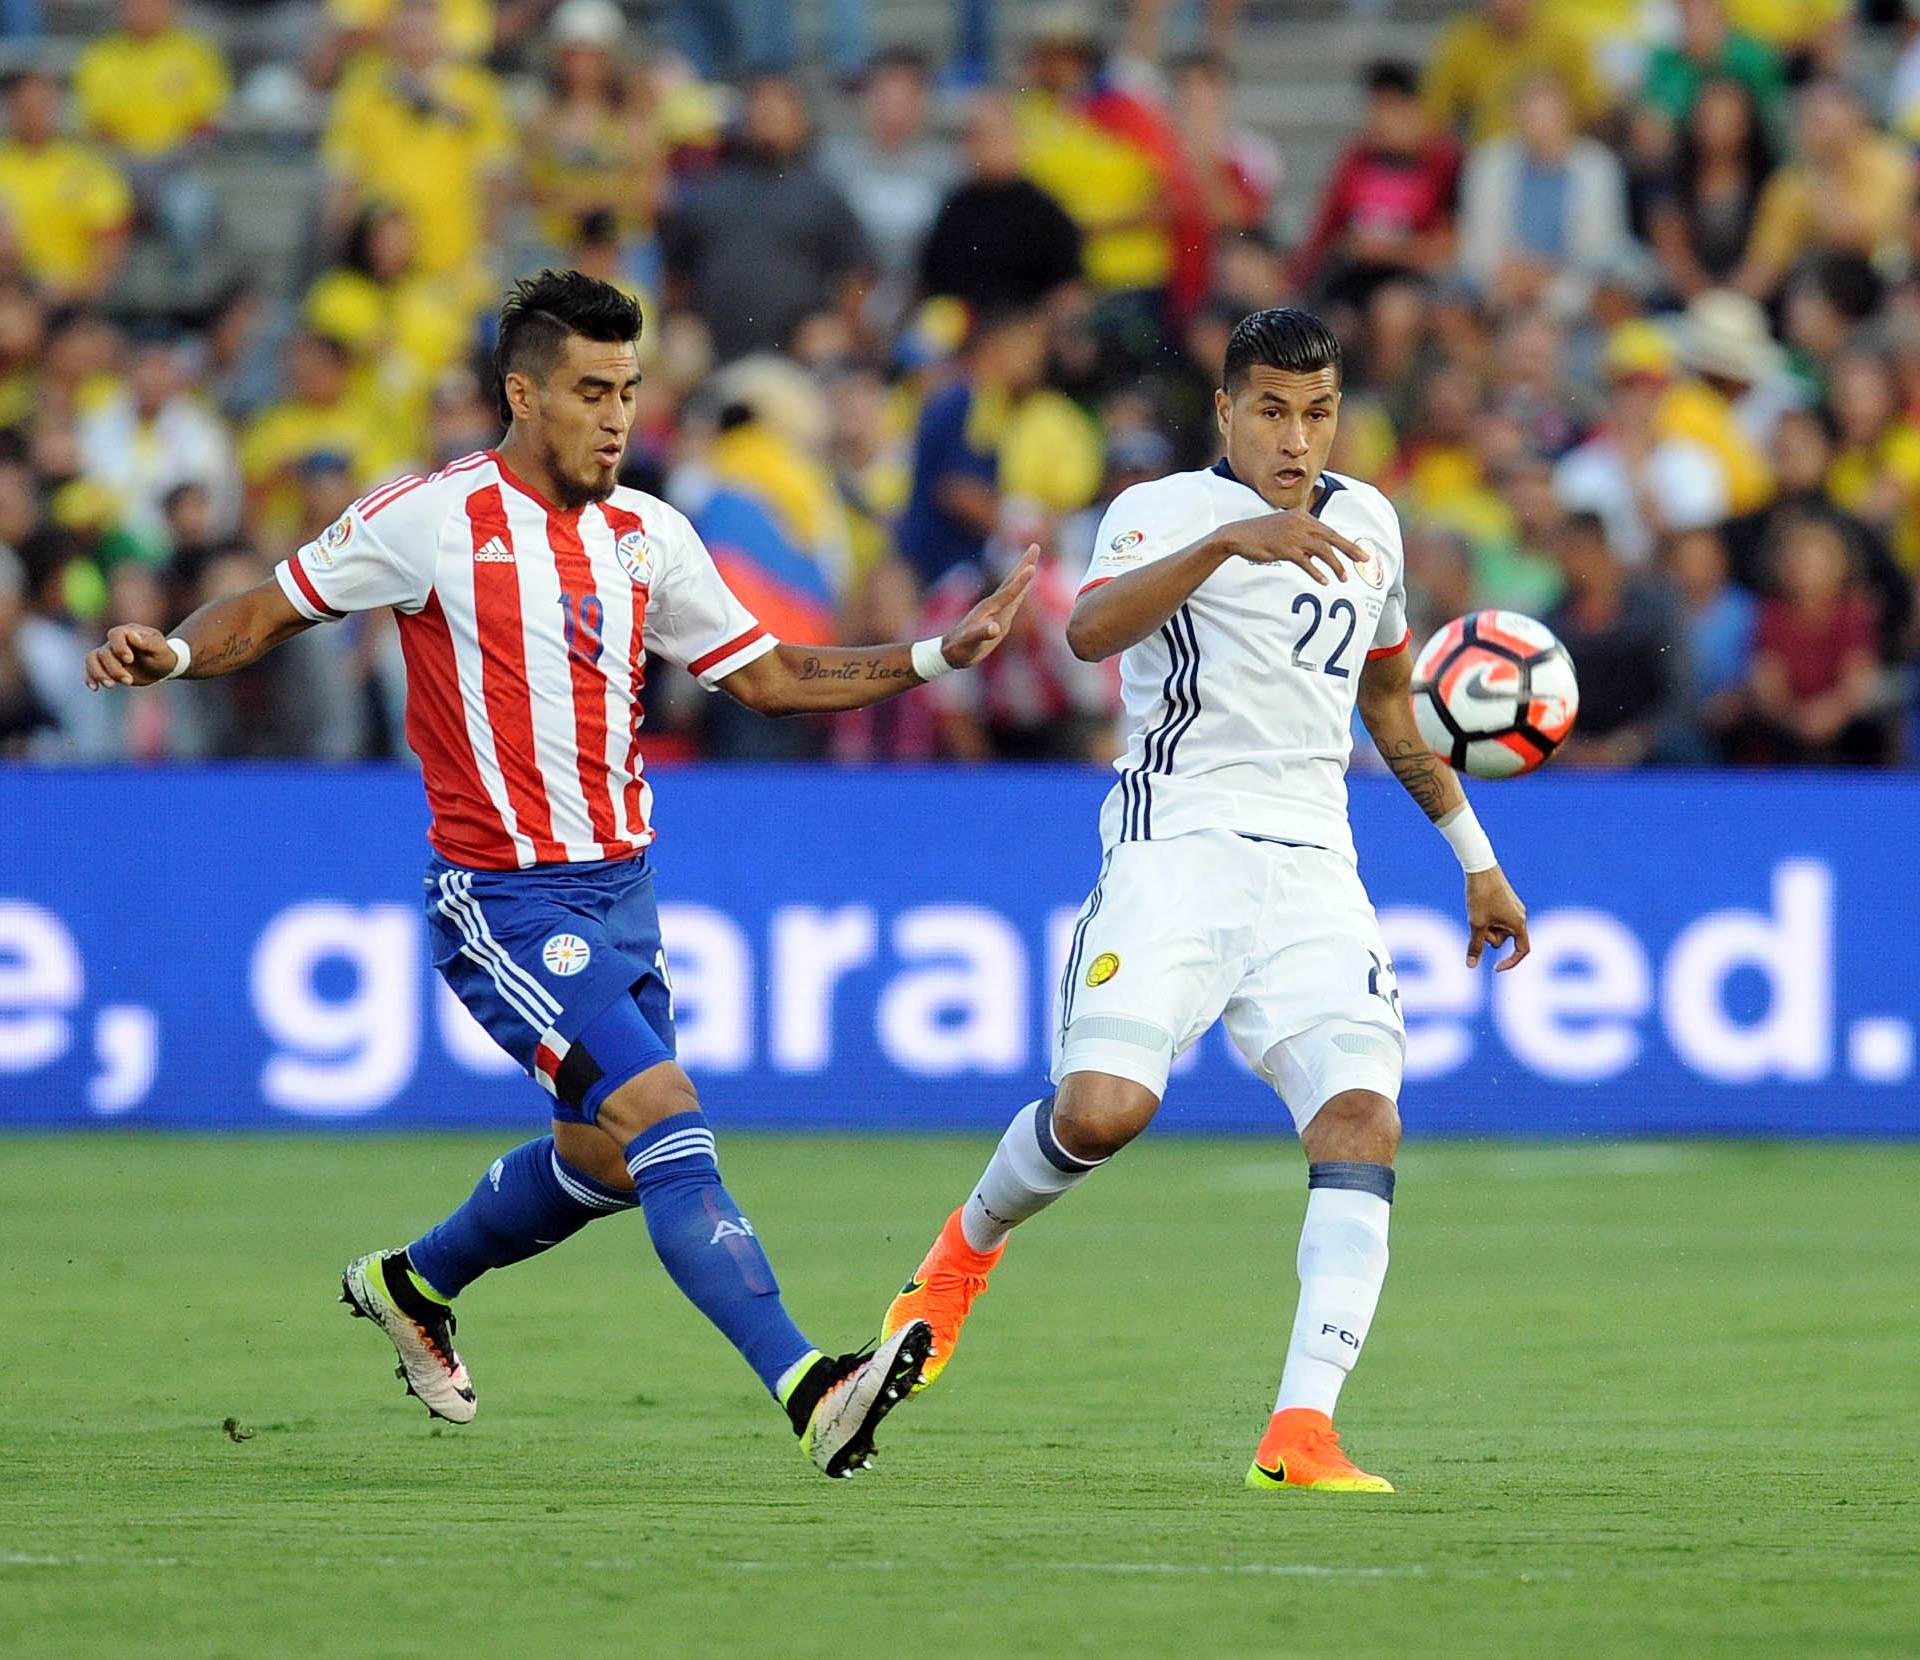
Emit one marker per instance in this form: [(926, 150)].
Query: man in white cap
[(1740, 390)]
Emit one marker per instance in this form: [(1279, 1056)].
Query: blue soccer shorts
[(563, 966)]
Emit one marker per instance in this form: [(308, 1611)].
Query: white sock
[(1343, 1263), (1028, 1171)]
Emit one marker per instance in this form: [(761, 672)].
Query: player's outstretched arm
[(820, 680), (1494, 911), (226, 634), (1123, 610)]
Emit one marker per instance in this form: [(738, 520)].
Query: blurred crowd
[(1630, 291)]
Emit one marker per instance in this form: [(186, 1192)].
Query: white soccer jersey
[(526, 629), (1240, 707)]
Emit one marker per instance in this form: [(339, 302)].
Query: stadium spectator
[(998, 239), (1845, 189), (417, 128), (1816, 688), (1517, 568), (1700, 211), (1719, 618), (887, 607), (1640, 484), (591, 148), (1543, 212), (76, 727), (153, 435), (1709, 51), (870, 463), (403, 329), (892, 172), (766, 194), (1736, 393), (1875, 473), (22, 716), (955, 503), (152, 92), (1809, 35), (23, 331), (1483, 57), (1236, 174), (1529, 384), (1624, 636), (66, 206), (320, 415), (1802, 455), (290, 704), (1388, 206), (471, 29), (1112, 160), (1043, 703)]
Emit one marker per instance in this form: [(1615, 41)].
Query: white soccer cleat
[(421, 1333), (839, 1433)]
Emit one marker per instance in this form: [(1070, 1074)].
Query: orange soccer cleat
[(1301, 1449), (941, 1292)]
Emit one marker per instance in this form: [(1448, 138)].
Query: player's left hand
[(1495, 915), (978, 634)]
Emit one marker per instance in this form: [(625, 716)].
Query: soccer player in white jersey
[(1253, 604), (531, 588)]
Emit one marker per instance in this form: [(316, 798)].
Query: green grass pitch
[(1639, 1399)]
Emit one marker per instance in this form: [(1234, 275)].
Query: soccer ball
[(1494, 693)]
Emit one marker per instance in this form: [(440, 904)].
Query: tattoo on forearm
[(1421, 774), (232, 653), (856, 668)]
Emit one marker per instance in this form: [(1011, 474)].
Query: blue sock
[(529, 1200), (711, 1250)]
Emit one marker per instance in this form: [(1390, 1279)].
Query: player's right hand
[(1296, 537), (134, 655)]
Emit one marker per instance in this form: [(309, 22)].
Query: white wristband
[(182, 658), (1466, 838), (929, 661)]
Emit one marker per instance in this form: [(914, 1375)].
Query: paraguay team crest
[(635, 557), (565, 955)]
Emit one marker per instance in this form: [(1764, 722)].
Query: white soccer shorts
[(1280, 940)]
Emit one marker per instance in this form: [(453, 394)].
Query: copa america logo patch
[(1372, 569), (565, 955), (1127, 539), (332, 540), (636, 559)]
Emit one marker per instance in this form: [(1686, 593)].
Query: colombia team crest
[(1372, 569), (635, 557), (1102, 969)]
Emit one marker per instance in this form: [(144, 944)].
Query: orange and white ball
[(1494, 693)]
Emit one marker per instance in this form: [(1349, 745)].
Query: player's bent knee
[(641, 1102), (1095, 1115), (592, 1151), (1355, 1124)]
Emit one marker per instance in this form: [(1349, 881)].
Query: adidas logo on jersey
[(493, 552)]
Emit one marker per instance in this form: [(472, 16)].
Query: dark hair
[(543, 311), (909, 60), (1756, 150), (1391, 75), (1280, 337), (1200, 63)]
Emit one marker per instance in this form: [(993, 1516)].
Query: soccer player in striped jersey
[(1253, 604), (531, 588)]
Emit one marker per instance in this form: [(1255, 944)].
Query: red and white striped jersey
[(526, 629)]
